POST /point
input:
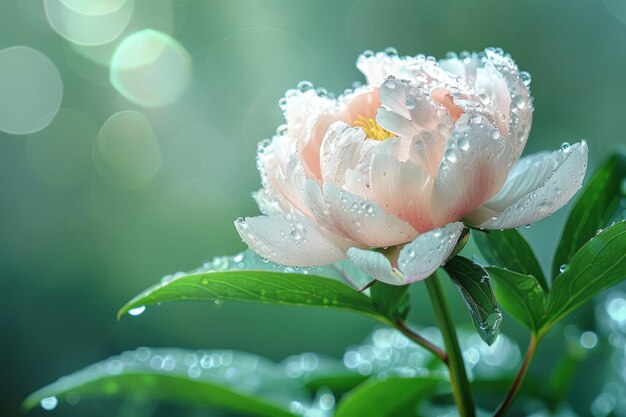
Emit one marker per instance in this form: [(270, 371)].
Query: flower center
[(372, 129)]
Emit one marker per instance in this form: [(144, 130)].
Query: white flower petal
[(292, 240), (355, 218), (401, 188), (268, 202), (518, 105), (376, 265), (474, 167), (421, 257), (377, 67), (553, 193), (528, 174), (344, 147), (308, 115)]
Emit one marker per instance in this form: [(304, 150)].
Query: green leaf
[(258, 286), (225, 379), (509, 249), (520, 295), (474, 284), (216, 282), (391, 300), (598, 265), (593, 209), (392, 397)]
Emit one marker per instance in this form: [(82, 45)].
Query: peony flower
[(403, 163)]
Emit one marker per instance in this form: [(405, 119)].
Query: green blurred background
[(83, 229)]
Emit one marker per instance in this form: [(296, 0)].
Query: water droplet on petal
[(390, 84), (526, 78), (451, 155)]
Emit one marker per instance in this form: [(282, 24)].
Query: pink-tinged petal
[(355, 218), (344, 148), (413, 103), (474, 167), (553, 192), (526, 176), (496, 88), (411, 113), (308, 115), (361, 102), (421, 257), (376, 265), (516, 101), (347, 108), (400, 188), (291, 240)]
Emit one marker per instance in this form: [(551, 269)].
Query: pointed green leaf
[(392, 397), (593, 209), (520, 295), (598, 265), (474, 284), (257, 286), (391, 300), (248, 277), (225, 379), (508, 249)]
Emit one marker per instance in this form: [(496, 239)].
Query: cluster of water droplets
[(241, 372), (611, 323), (386, 352), (344, 271)]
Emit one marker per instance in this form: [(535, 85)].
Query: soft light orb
[(94, 7), (150, 68), (31, 90), (85, 25), (126, 153)]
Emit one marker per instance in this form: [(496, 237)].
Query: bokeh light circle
[(94, 7), (61, 154), (31, 90), (126, 153), (88, 29), (150, 68)]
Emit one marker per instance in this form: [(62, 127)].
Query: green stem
[(519, 379), (460, 385), (418, 339)]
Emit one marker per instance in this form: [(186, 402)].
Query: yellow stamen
[(372, 129)]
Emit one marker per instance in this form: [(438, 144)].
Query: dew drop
[(526, 78), (565, 147), (304, 86), (390, 51), (49, 403), (476, 118), (451, 155), (390, 84), (137, 311), (562, 268)]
